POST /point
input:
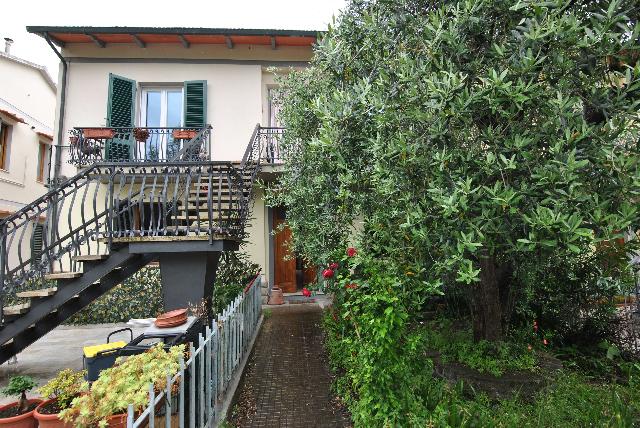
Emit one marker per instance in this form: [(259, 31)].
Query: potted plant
[(60, 391), (98, 133), (140, 134), (127, 382), (184, 134), (19, 414)]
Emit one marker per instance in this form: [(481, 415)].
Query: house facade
[(162, 79), (27, 110)]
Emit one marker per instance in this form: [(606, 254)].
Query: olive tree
[(466, 136)]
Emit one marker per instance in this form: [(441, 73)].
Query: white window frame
[(164, 90)]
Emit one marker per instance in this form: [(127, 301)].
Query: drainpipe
[(63, 96)]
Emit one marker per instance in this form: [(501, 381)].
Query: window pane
[(153, 108), (174, 108)]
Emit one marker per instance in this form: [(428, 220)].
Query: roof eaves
[(42, 30)]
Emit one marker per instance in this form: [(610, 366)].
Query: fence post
[(201, 407), (130, 416), (192, 387), (207, 376), (181, 393), (167, 402), (152, 406)]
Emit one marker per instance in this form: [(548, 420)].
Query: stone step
[(62, 275), (19, 309), (45, 292), (91, 258)]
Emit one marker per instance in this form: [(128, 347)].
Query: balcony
[(89, 145)]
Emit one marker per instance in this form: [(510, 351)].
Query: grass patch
[(456, 344)]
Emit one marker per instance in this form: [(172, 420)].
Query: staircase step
[(45, 292), (20, 309), (62, 275), (91, 258)]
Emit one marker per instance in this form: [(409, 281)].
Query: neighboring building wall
[(25, 94)]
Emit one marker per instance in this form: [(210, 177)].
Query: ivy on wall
[(140, 296)]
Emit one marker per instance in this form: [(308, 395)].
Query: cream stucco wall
[(234, 102)]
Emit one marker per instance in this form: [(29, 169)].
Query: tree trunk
[(486, 307)]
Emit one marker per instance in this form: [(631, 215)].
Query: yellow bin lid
[(91, 351)]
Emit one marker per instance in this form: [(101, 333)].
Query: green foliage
[(494, 358), (127, 382), (64, 387), (235, 270), (139, 296), (18, 385), (573, 297), (438, 135), (573, 401), (371, 343)]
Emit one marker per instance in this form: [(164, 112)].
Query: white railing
[(193, 396)]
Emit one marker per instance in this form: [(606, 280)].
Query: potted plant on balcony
[(125, 383), (184, 134), (140, 134), (60, 392), (98, 133), (19, 414)]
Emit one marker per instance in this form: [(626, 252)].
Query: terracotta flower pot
[(117, 421), (25, 420), (98, 133), (181, 134), (49, 420), (277, 298)]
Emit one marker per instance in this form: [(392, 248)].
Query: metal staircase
[(91, 232)]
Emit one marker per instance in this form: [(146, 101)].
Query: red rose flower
[(306, 292), (327, 273), (333, 266), (544, 341), (351, 252)]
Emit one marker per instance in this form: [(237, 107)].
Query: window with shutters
[(44, 162), (37, 239), (5, 139)]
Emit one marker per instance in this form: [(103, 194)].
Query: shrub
[(64, 387), (18, 386), (139, 296)]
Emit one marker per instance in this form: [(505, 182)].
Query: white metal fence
[(192, 396)]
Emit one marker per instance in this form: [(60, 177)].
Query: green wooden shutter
[(36, 242), (120, 114), (195, 103)]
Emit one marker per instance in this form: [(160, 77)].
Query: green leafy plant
[(125, 383), (63, 388), (453, 141), (235, 270), (18, 386)]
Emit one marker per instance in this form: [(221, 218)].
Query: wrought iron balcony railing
[(90, 145)]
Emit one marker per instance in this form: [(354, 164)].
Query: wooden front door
[(284, 263)]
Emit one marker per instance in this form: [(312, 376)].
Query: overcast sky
[(280, 14)]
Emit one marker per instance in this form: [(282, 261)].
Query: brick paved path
[(287, 382)]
